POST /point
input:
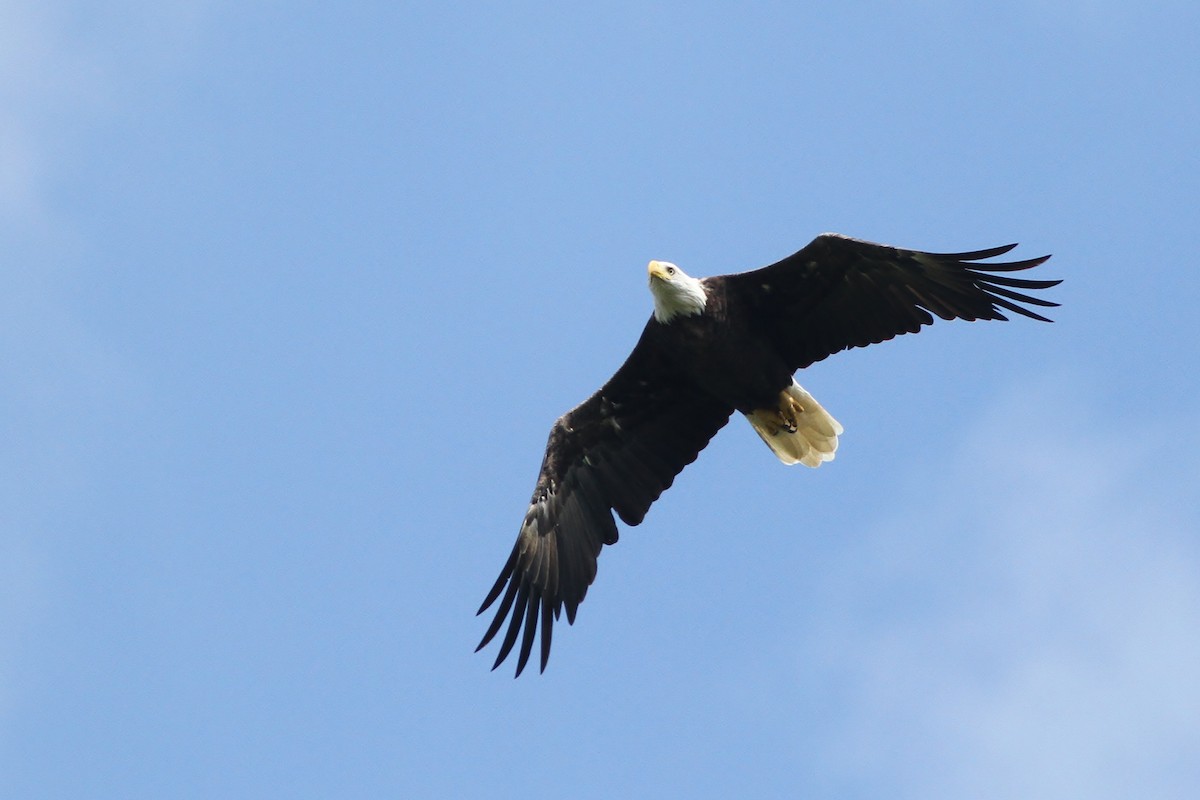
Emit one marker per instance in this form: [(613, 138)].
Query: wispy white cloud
[(41, 77), (1030, 626), (61, 64), (60, 68)]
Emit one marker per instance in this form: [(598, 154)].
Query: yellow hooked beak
[(661, 270)]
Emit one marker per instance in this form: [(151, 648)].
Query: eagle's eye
[(670, 270)]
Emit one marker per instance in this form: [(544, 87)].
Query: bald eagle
[(712, 347)]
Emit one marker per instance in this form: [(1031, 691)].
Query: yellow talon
[(786, 417)]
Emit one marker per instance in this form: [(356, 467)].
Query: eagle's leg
[(784, 417), (790, 409)]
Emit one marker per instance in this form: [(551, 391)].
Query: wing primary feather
[(503, 579), (1011, 266), (1016, 283), (501, 614), (547, 631), (977, 255), (531, 617), (1021, 298), (514, 625), (1011, 306), (541, 569)]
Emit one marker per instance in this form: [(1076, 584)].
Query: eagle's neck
[(683, 296)]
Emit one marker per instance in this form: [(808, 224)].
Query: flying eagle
[(715, 346)]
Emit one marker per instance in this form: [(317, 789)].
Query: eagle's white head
[(675, 292)]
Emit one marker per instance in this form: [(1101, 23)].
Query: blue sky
[(293, 293)]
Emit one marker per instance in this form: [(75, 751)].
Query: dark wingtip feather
[(514, 627), (531, 617), (1022, 298), (1016, 283), (498, 586), (547, 631), (1011, 266), (978, 255), (501, 614), (995, 284), (1020, 309)]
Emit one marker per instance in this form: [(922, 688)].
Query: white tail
[(815, 438)]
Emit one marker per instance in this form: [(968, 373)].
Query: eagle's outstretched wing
[(837, 293), (617, 451)]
